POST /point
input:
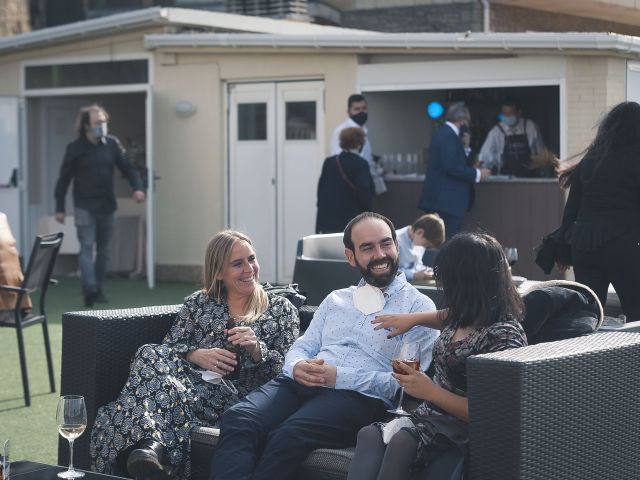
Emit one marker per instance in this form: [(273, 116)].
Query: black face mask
[(360, 118), (464, 129)]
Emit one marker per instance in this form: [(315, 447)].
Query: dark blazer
[(449, 180), (604, 200), (338, 202)]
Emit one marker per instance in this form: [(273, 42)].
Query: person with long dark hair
[(602, 214), (481, 313), (90, 162)]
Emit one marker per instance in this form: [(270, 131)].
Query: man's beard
[(380, 281)]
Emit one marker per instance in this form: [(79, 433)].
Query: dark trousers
[(93, 230), (270, 433), (616, 262)]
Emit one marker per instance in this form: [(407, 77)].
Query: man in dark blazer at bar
[(448, 184)]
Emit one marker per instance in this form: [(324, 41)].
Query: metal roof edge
[(85, 28), (159, 15), (623, 44), (249, 23)]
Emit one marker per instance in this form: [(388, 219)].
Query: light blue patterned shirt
[(410, 262), (343, 336)]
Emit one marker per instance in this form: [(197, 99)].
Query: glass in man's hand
[(72, 420)]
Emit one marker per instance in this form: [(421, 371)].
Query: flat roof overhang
[(163, 17), (574, 43)]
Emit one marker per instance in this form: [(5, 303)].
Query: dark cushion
[(560, 310)]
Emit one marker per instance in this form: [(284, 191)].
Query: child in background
[(426, 232)]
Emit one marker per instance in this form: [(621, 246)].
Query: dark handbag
[(290, 291), (554, 249)]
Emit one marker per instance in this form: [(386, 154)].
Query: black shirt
[(604, 200), (91, 167)]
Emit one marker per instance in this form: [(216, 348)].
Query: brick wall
[(14, 17), (457, 17), (593, 85), (505, 18), (463, 16)]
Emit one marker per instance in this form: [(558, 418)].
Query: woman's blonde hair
[(216, 261)]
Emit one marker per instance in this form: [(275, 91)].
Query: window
[(252, 121), (301, 120), (86, 74)]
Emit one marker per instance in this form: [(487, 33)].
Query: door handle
[(13, 180)]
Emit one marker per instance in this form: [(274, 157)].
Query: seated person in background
[(511, 143), (233, 328), (481, 313), (336, 377), (10, 271), (426, 232), (345, 188)]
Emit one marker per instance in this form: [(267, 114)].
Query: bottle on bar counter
[(235, 349)]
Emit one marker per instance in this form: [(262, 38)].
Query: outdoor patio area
[(33, 430)]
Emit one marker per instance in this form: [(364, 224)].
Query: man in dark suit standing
[(449, 180)]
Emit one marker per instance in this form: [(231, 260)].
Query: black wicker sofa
[(552, 411)]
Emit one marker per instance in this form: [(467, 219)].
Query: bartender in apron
[(511, 143)]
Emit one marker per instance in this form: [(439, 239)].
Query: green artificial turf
[(32, 430)]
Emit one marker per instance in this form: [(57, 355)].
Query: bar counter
[(518, 211)]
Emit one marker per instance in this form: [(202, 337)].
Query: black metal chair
[(36, 276)]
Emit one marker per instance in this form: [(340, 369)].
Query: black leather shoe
[(100, 298), (147, 462), (90, 298)]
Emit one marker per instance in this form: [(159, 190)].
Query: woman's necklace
[(234, 312)]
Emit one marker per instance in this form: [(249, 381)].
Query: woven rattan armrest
[(562, 410)]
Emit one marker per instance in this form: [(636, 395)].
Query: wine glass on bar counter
[(512, 255), (409, 353)]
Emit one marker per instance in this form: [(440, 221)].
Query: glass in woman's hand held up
[(72, 420), (409, 353)]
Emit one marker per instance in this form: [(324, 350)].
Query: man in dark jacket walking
[(90, 161), (449, 180)]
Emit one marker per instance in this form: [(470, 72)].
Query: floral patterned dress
[(435, 429), (165, 396)]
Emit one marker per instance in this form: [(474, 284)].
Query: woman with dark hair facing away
[(345, 188), (602, 214), (481, 313), (233, 330)]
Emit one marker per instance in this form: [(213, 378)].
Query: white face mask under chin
[(368, 299)]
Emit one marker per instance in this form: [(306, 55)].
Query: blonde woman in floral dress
[(145, 431)]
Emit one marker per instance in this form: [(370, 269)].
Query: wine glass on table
[(72, 420), (409, 353), (512, 255)]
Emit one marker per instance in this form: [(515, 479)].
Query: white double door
[(276, 150)]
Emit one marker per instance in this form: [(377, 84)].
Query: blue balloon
[(435, 110)]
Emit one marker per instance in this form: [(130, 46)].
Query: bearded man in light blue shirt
[(336, 377)]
